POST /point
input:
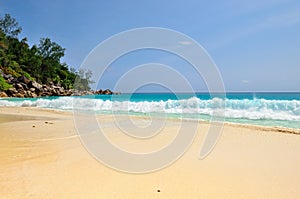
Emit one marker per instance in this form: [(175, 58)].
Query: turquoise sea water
[(267, 109)]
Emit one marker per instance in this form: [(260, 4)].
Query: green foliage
[(10, 71), (40, 62), (3, 84), (50, 50), (10, 26), (22, 72), (83, 80)]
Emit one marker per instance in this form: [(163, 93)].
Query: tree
[(50, 50), (83, 80), (3, 41), (34, 62), (3, 46), (10, 26), (51, 53)]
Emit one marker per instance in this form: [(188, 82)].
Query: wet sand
[(41, 156)]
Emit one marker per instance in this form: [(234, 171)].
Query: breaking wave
[(255, 109)]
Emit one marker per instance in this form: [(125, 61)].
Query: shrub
[(3, 84)]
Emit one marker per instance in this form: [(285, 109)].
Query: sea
[(263, 108)]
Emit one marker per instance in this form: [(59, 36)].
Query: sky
[(254, 44)]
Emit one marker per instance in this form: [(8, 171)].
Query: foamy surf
[(256, 109)]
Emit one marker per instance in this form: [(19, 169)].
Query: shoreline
[(278, 129)]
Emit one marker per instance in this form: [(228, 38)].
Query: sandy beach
[(41, 156)]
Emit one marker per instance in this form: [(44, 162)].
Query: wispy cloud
[(284, 19), (185, 43)]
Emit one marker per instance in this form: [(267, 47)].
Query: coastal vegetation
[(40, 63)]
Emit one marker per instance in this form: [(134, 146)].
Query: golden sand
[(41, 156)]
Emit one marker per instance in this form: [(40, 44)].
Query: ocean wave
[(245, 109)]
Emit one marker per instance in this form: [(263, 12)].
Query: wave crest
[(245, 108)]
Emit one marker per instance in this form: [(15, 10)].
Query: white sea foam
[(245, 109)]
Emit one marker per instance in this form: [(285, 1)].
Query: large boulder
[(19, 95), (107, 92), (23, 79), (99, 92), (3, 94), (35, 85), (61, 91), (54, 92), (69, 92), (35, 88), (8, 76), (33, 95), (11, 92), (19, 86), (25, 87), (14, 81), (30, 94)]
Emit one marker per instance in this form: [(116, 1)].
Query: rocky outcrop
[(25, 88), (105, 92)]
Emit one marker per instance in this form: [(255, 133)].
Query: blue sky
[(255, 44)]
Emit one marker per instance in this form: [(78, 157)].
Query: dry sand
[(41, 156)]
